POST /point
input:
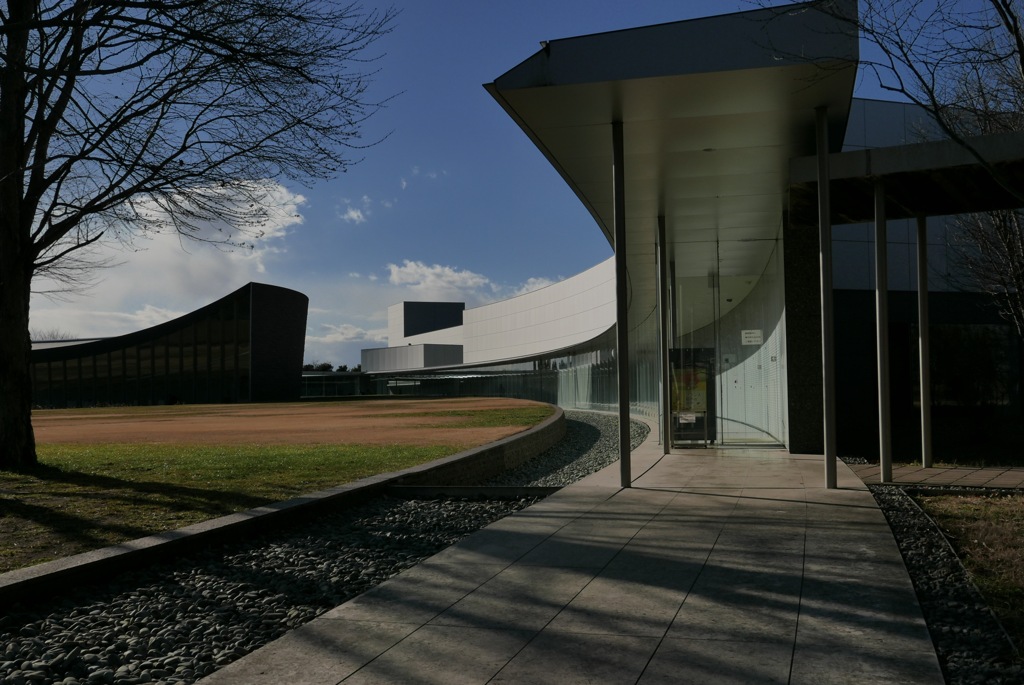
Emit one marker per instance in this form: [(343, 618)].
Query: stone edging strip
[(465, 468)]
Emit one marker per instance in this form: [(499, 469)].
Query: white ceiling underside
[(712, 110)]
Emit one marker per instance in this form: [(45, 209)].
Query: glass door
[(726, 348)]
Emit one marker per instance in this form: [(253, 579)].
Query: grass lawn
[(84, 496), (987, 533)]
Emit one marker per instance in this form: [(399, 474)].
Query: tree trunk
[(17, 255), (17, 441)]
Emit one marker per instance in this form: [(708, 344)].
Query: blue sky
[(454, 203)]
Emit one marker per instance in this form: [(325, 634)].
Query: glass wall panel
[(41, 388), (244, 353), (117, 379), (131, 375), (201, 351), (750, 333), (188, 365), (692, 352), (87, 391), (103, 378), (645, 362), (726, 344), (581, 378), (145, 385), (159, 392)]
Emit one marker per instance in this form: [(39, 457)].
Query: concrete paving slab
[(320, 652), (519, 598), (943, 474), (575, 659), (820, 658), (717, 567), (733, 616), (677, 570), (426, 657), (611, 605), (860, 612), (497, 546), (724, 662), (420, 594), (582, 544)]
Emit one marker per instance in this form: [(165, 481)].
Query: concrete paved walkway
[(714, 567), (914, 474)]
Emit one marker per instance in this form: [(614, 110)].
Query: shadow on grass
[(86, 511), (170, 490)]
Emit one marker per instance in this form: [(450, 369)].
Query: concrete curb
[(463, 468)]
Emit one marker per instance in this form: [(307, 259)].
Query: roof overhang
[(713, 109), (936, 178)]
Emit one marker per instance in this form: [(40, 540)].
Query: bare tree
[(50, 334), (959, 60), (127, 116), (990, 258), (962, 62)]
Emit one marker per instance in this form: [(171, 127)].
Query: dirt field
[(371, 422)]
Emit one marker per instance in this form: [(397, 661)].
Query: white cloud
[(356, 212), (87, 323), (348, 333), (341, 343), (417, 172), (353, 215), (534, 283), (261, 210), (161, 275), (437, 281)]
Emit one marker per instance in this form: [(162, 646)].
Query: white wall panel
[(566, 313), (392, 358), (560, 315), (396, 325)]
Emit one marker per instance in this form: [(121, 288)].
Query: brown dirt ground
[(371, 422)]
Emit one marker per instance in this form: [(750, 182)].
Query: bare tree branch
[(963, 64), (120, 118)]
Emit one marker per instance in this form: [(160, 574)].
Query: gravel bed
[(176, 622), (971, 644), (591, 443)]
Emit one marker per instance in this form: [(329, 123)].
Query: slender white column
[(828, 362), (666, 343), (621, 301), (922, 339), (882, 334)]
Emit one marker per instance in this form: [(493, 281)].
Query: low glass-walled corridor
[(581, 378)]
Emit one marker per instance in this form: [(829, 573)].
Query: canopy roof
[(713, 109), (932, 178)]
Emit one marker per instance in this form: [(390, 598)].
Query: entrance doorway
[(726, 352)]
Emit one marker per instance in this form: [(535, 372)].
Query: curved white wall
[(563, 314), (567, 313)]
